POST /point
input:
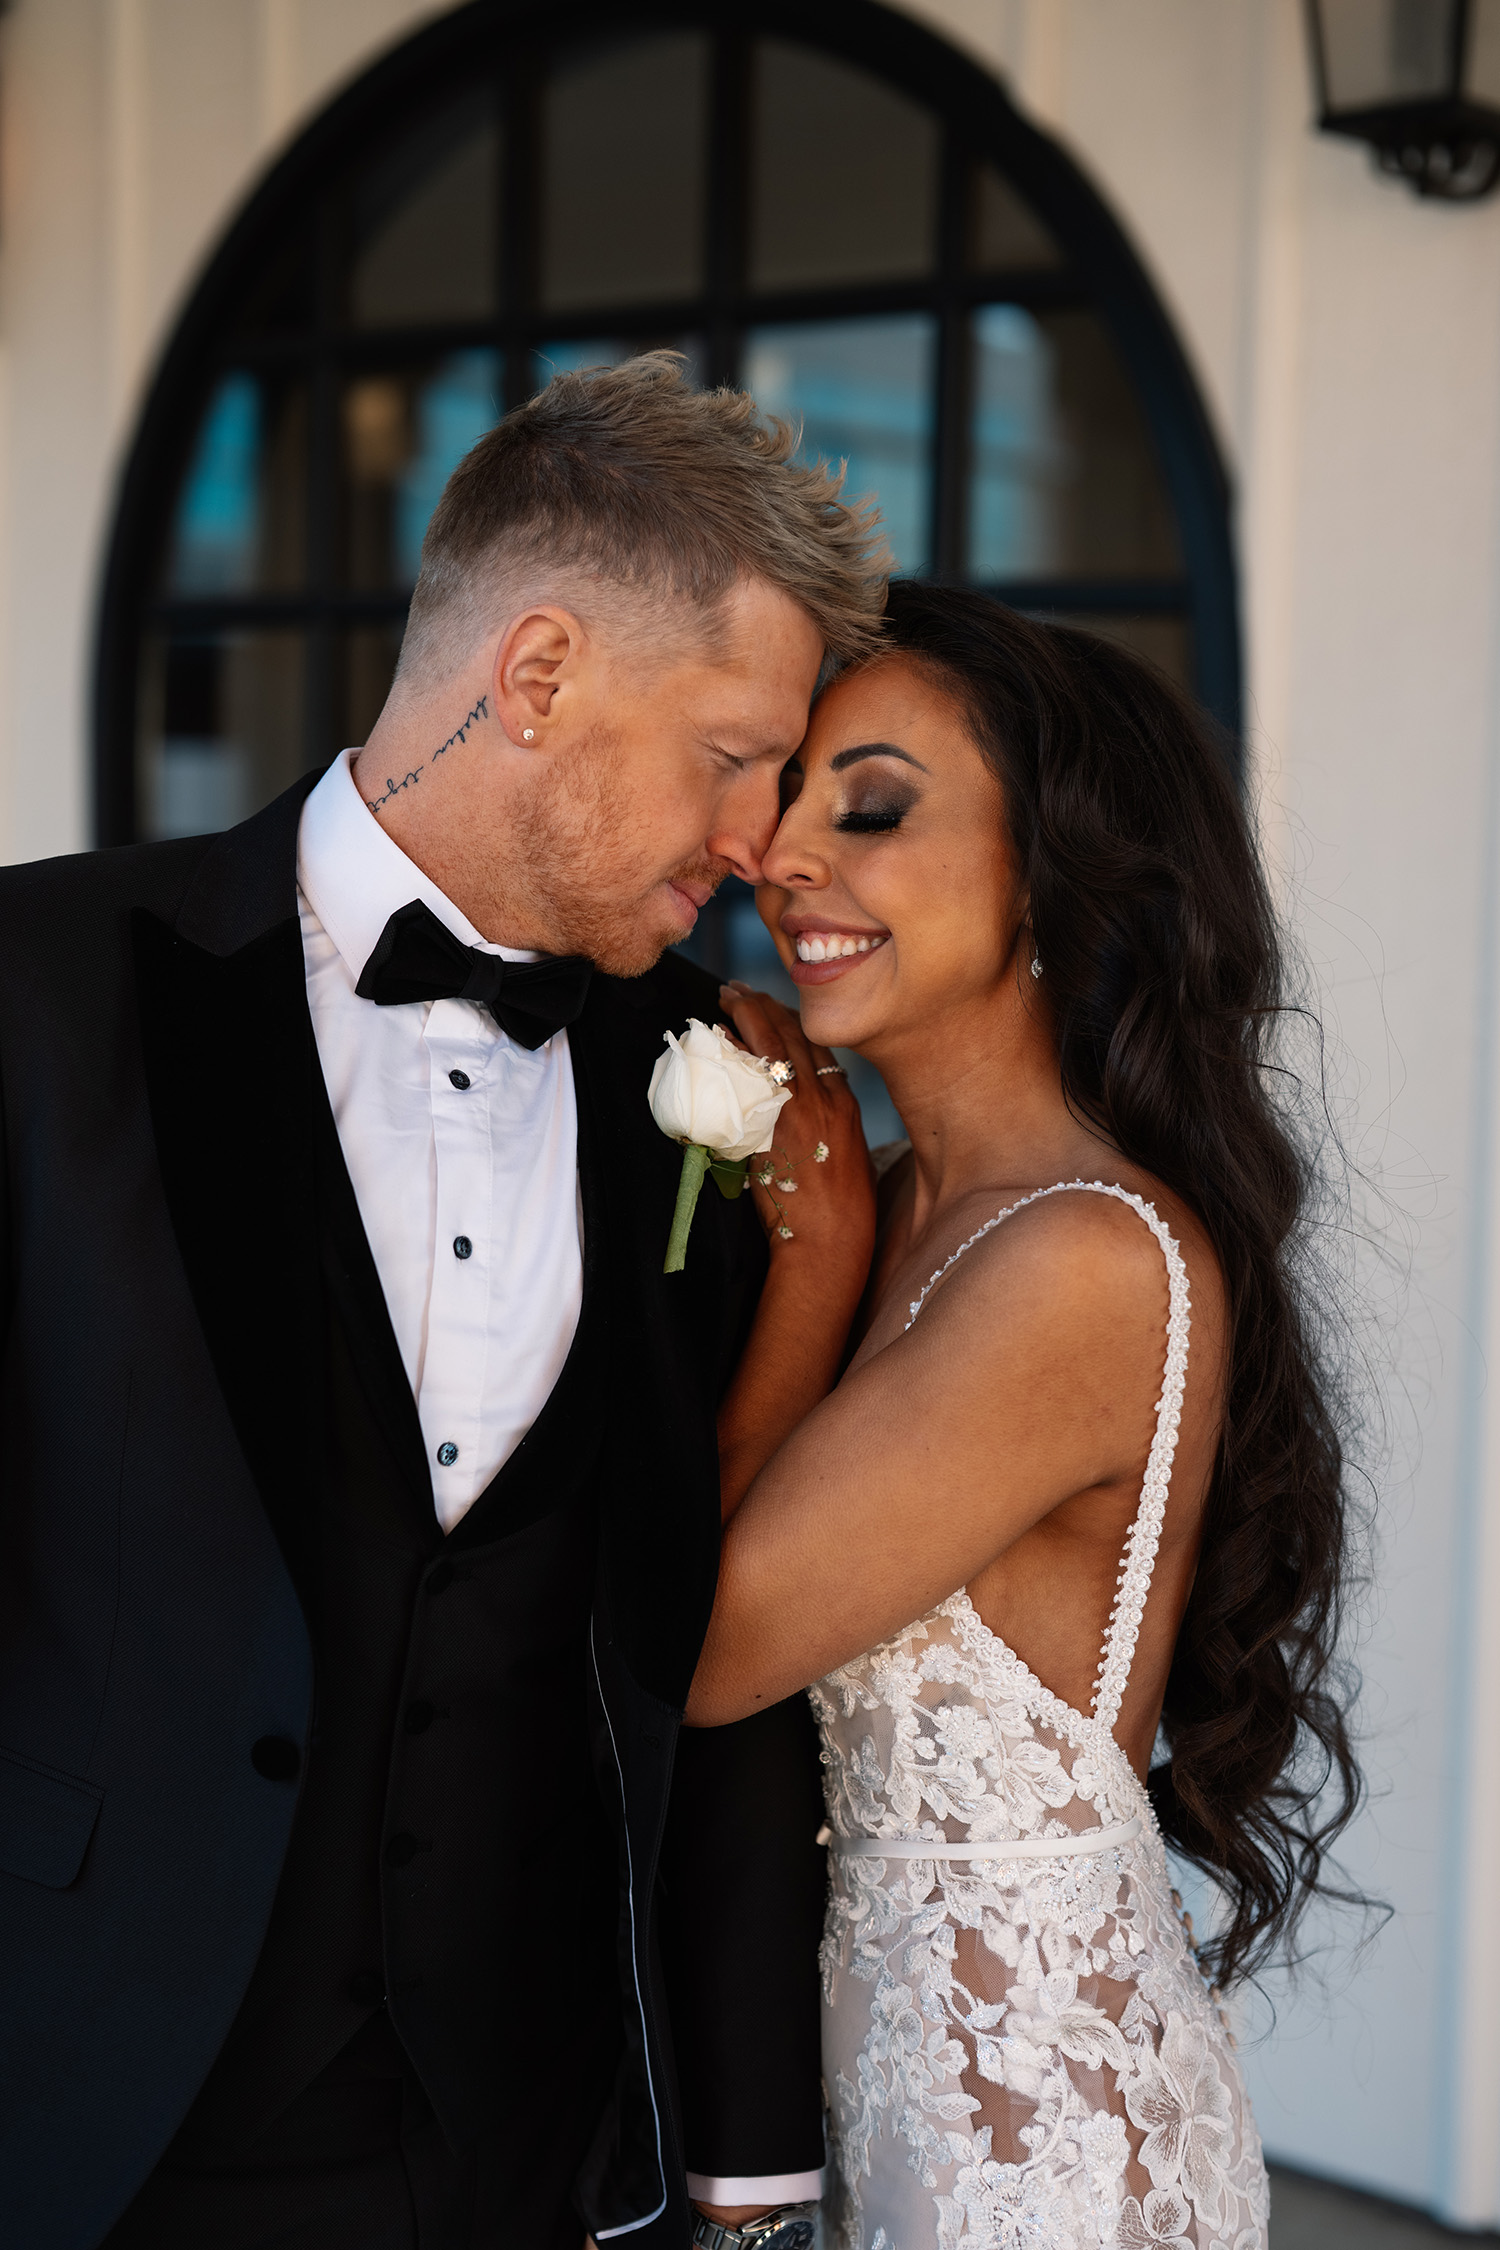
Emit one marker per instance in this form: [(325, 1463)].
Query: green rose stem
[(729, 1177), (695, 1162)]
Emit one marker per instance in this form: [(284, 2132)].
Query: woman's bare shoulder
[(1080, 1245), (1102, 1241), (1066, 1254)]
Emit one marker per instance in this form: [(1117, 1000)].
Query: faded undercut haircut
[(629, 479)]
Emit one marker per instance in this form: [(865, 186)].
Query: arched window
[(824, 202)]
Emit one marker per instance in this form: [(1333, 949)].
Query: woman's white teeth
[(834, 947)]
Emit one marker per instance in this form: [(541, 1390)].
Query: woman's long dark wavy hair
[(1164, 975)]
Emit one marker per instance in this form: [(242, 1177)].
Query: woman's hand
[(815, 1185), (815, 1193)]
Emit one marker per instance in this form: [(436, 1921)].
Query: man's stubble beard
[(572, 838)]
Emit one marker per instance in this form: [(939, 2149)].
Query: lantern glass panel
[(1482, 64), (1377, 52), (625, 134)]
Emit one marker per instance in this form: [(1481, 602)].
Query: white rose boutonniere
[(722, 1104)]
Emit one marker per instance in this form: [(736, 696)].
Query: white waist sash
[(1019, 1847)]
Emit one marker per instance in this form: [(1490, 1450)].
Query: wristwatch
[(792, 2226)]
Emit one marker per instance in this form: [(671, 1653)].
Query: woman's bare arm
[(815, 1281), (1029, 1378)]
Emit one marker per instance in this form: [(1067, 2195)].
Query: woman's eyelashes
[(874, 818)]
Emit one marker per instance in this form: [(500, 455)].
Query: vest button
[(403, 1849), (275, 1758), (441, 1577), (367, 1990), (419, 1716)]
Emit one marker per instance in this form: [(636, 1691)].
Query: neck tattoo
[(393, 787)]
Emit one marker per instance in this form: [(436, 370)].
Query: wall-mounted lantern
[(1420, 81)]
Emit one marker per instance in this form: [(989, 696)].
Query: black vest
[(450, 1727)]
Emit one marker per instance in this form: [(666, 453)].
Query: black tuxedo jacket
[(161, 1434)]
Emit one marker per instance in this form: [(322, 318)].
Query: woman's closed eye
[(873, 818)]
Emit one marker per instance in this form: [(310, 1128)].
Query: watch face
[(792, 2234)]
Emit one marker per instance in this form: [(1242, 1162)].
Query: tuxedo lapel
[(229, 1060), (359, 1305), (259, 1195)]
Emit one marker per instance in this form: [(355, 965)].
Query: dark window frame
[(510, 38)]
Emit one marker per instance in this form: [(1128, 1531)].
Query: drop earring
[(1036, 964)]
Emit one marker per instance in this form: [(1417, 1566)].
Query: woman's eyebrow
[(858, 750)]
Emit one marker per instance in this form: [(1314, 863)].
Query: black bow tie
[(417, 959)]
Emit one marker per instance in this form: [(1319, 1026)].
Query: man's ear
[(538, 658)]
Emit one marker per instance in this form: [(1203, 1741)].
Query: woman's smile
[(824, 950)]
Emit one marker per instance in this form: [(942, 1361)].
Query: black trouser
[(357, 2162)]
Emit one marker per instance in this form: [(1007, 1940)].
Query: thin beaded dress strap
[(1134, 1581)]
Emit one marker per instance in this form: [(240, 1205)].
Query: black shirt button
[(447, 1453), (460, 1079), (367, 1990), (403, 1849), (419, 1716), (462, 1246), (275, 1758)]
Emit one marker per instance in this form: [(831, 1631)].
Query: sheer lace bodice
[(1019, 2047)]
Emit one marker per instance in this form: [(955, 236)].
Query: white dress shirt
[(463, 1151), (462, 1148)]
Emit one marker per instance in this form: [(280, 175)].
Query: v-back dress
[(1020, 2050)]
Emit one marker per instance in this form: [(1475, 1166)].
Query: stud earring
[(528, 734), (1036, 964)]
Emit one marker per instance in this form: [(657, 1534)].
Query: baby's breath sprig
[(777, 1172)]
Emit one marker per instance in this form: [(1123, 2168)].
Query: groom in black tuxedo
[(359, 1506)]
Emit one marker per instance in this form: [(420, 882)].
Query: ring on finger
[(781, 1073), (830, 1070)]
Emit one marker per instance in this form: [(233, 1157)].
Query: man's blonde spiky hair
[(628, 477)]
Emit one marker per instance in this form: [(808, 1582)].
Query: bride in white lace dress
[(1078, 1434)]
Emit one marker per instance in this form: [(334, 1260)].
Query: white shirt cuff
[(769, 2188)]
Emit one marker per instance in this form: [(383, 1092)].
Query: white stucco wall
[(1348, 343)]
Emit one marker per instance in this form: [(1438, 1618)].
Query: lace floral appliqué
[(1021, 2053)]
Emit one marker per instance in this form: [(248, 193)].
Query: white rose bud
[(709, 1094)]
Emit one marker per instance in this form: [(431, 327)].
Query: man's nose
[(748, 824)]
